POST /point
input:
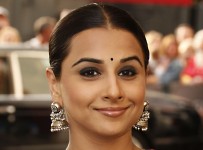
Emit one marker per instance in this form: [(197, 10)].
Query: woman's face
[(102, 84)]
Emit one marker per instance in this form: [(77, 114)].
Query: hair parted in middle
[(91, 16)]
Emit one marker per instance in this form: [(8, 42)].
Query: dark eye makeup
[(89, 72), (127, 71)]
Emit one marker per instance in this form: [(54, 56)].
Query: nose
[(113, 90)]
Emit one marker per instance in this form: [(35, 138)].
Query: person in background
[(183, 31), (4, 17), (193, 72), (198, 46), (170, 65), (154, 39), (186, 51), (43, 27), (97, 78), (9, 35)]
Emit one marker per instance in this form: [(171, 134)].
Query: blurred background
[(174, 32), (160, 15)]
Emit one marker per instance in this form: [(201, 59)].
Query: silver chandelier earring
[(142, 124), (58, 118)]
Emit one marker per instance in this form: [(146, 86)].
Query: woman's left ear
[(54, 86)]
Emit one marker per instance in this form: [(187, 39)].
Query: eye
[(127, 71), (90, 72)]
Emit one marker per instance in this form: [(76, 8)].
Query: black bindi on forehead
[(111, 59)]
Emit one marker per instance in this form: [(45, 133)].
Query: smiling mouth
[(112, 111)]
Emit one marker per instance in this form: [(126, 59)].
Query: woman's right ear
[(53, 86)]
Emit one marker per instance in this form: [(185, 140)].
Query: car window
[(4, 76), (33, 75)]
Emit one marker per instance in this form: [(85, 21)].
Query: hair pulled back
[(87, 17)]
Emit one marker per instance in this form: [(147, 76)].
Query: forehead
[(102, 43)]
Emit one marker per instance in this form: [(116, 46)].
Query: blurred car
[(25, 100), (174, 124), (25, 110)]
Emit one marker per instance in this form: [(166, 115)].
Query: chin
[(113, 131)]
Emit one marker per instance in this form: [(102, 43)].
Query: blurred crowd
[(42, 28), (176, 57)]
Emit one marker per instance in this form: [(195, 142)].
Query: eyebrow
[(131, 58), (93, 60), (98, 61)]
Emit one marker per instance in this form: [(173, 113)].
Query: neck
[(83, 142)]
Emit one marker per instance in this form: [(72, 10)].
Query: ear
[(54, 86)]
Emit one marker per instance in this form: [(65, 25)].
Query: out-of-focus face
[(183, 33), (102, 84), (3, 21), (172, 49), (9, 35), (47, 33)]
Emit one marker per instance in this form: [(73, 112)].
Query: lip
[(112, 111)]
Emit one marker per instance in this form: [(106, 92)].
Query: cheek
[(136, 93), (76, 94), (137, 88), (71, 94)]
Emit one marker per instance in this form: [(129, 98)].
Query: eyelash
[(92, 72), (127, 72)]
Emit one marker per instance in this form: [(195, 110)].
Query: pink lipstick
[(112, 111)]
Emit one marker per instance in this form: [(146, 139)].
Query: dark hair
[(86, 17)]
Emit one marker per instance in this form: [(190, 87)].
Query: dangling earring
[(58, 118), (143, 121)]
